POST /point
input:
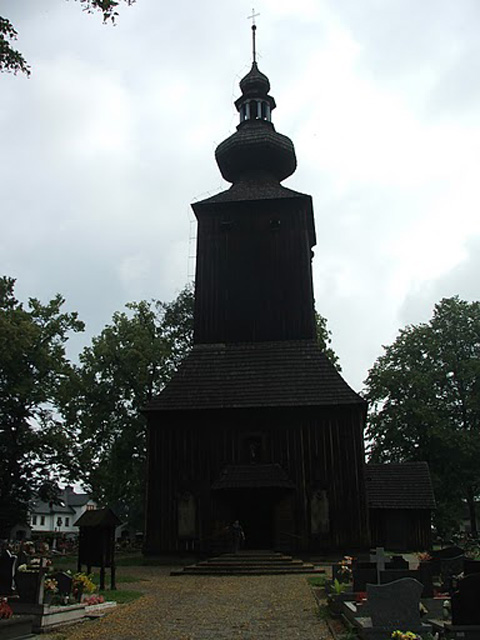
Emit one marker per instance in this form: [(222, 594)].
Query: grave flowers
[(94, 599), (423, 556), (50, 589), (404, 635), (344, 571), (82, 584)]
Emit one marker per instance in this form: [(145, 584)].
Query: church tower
[(256, 424)]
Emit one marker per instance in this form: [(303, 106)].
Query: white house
[(50, 519)]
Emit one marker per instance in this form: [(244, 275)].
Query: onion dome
[(256, 148), (255, 82)]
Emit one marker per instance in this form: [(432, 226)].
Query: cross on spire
[(254, 28)]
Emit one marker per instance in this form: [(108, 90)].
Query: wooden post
[(112, 561)]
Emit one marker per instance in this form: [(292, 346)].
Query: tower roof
[(256, 149)]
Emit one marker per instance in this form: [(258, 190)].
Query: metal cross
[(254, 28), (252, 17)]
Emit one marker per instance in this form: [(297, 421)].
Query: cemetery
[(429, 594), (36, 597)]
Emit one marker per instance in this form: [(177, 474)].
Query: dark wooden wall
[(253, 275), (401, 529), (318, 448)]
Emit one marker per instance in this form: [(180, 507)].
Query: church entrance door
[(254, 508)]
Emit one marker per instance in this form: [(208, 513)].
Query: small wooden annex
[(400, 502)]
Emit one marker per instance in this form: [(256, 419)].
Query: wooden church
[(257, 424)]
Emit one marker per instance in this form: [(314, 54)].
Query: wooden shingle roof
[(98, 518), (404, 485), (262, 374)]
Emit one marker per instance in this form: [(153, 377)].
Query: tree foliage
[(424, 395), (33, 366), (12, 61), (324, 339), (124, 368)]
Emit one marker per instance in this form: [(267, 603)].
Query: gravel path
[(210, 608)]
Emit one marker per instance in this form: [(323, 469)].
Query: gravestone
[(64, 582), (449, 569), (396, 606), (363, 573), (390, 575), (466, 602), (471, 566), (444, 554), (7, 573), (30, 584)]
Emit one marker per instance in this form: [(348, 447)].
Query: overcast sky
[(105, 146)]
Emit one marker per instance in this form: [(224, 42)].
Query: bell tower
[(254, 246)]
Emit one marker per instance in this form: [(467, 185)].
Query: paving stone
[(206, 608)]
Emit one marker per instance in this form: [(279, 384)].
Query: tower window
[(264, 111)]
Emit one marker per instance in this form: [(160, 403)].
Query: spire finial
[(254, 28)]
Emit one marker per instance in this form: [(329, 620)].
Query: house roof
[(67, 498), (260, 374), (40, 507), (252, 476), (77, 499), (399, 486)]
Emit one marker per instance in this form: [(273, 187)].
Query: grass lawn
[(317, 581), (121, 596)]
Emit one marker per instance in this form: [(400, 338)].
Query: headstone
[(366, 573), (449, 569), (444, 554), (64, 582), (471, 566), (466, 601), (363, 573), (390, 575), (7, 573), (396, 605)]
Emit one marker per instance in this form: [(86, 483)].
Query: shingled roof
[(261, 374), (255, 188), (252, 476), (399, 486)]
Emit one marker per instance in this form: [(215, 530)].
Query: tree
[(33, 444), (324, 339), (424, 395), (12, 61), (124, 368)]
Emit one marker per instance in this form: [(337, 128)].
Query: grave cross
[(378, 557)]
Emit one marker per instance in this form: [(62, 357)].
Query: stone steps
[(253, 563)]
